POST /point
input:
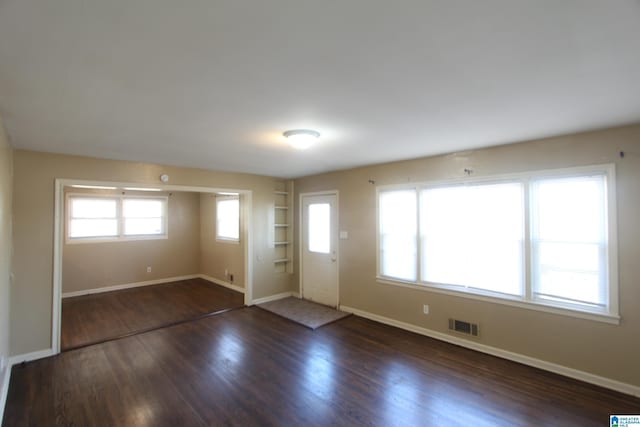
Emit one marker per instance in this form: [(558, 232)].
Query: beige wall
[(33, 208), (217, 256), (6, 192), (603, 349), (96, 265)]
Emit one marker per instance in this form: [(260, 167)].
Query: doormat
[(304, 312)]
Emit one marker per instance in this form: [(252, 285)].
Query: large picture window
[(541, 239), (107, 218)]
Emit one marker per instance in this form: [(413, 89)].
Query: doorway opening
[(137, 220)]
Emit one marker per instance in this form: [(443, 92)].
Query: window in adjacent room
[(92, 218), (228, 218)]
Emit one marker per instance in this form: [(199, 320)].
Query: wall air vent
[(463, 327)]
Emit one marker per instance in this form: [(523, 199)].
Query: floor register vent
[(463, 327)]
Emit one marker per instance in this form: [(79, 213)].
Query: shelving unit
[(283, 228)]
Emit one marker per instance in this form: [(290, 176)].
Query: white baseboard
[(28, 357), (516, 357), (5, 378), (274, 297), (222, 283), (5, 375), (129, 285)]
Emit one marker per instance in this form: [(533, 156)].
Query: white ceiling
[(213, 83)]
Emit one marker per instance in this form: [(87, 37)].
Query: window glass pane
[(142, 208), (228, 218), (92, 217), (320, 228), (142, 226), (143, 216), (93, 208), (398, 234), (79, 228), (569, 239), (570, 209), (472, 236)]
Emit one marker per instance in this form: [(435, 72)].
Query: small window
[(228, 218), (99, 218)]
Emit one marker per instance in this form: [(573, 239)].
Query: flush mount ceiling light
[(301, 138)]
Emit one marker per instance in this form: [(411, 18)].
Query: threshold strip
[(153, 328)]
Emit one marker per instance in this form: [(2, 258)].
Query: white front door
[(319, 241)]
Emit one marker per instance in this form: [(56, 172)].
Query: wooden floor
[(98, 317), (250, 367)]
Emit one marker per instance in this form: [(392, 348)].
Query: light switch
[(344, 235)]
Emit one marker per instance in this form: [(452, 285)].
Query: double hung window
[(97, 218)]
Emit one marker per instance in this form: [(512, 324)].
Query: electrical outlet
[(149, 269), (425, 309)]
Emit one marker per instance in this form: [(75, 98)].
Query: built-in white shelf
[(283, 226)]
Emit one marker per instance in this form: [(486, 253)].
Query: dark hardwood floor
[(98, 317), (249, 367)]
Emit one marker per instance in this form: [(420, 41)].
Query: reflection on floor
[(250, 367), (98, 317)]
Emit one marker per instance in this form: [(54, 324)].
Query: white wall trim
[(516, 357), (58, 245), (5, 378), (222, 283), (28, 357), (299, 225), (275, 297), (129, 285)]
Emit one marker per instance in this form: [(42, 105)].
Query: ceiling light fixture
[(301, 138)]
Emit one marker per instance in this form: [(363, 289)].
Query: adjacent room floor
[(95, 318), (250, 367)]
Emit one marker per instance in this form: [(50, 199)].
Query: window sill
[(70, 241), (223, 240), (513, 302)]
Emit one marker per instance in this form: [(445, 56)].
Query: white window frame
[(225, 239), (121, 237), (608, 315)]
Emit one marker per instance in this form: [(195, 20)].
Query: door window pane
[(320, 228)]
